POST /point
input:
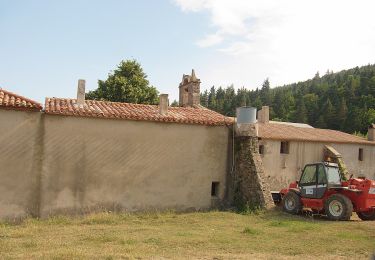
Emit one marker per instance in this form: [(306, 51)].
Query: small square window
[(360, 154), (284, 147), (215, 189), (261, 149)]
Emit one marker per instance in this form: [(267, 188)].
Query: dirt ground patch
[(201, 235)]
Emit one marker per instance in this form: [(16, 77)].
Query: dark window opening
[(360, 154), (215, 189), (284, 147), (261, 149)]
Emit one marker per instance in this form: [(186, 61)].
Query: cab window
[(333, 174), (322, 179), (309, 175)]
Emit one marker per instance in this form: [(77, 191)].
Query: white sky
[(285, 40)]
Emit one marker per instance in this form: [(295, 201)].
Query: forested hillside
[(343, 101)]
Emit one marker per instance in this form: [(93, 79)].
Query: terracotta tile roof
[(288, 132), (9, 100), (115, 110)]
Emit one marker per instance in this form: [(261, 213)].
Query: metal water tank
[(246, 115)]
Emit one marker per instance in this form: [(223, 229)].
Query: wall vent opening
[(261, 149), (360, 154), (215, 189)]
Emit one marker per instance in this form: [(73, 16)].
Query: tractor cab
[(317, 178)]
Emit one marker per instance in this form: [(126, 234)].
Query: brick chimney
[(163, 104), (189, 90), (371, 133), (81, 92), (264, 115)]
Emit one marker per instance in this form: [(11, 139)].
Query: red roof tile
[(115, 110), (9, 100), (293, 133)]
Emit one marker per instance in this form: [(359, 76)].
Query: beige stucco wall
[(284, 168), (19, 163), (130, 165)]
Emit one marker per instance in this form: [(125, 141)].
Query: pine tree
[(265, 94), (329, 114), (301, 114), (321, 122), (342, 114), (212, 98), (204, 98), (174, 103)]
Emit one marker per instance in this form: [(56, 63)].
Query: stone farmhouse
[(75, 156)]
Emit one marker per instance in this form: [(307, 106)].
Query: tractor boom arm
[(330, 154)]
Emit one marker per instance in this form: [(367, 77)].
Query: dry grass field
[(201, 235)]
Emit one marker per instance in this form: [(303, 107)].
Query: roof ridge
[(21, 97), (290, 132), (132, 111), (324, 129), (341, 132), (117, 102), (103, 101), (10, 100)]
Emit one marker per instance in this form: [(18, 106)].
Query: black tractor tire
[(338, 207), (292, 203), (370, 215)]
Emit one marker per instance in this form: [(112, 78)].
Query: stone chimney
[(371, 133), (189, 90), (163, 104), (81, 92), (264, 115), (251, 186)]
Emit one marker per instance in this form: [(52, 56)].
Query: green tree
[(174, 103), (229, 101), (370, 116), (301, 113), (278, 104), (127, 83), (311, 103), (342, 114), (265, 93), (321, 122), (212, 98), (204, 98), (329, 113)]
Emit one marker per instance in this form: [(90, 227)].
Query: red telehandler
[(323, 189)]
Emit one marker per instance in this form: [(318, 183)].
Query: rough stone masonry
[(251, 186)]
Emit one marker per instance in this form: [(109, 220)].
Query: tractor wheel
[(368, 215), (338, 207), (292, 203)]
